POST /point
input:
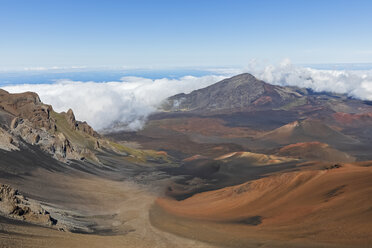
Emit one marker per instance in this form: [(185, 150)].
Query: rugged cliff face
[(79, 125), (25, 119), (27, 106)]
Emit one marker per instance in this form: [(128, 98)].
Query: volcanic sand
[(328, 207), (117, 210)]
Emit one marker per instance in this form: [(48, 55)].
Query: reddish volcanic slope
[(306, 131), (205, 126), (315, 151), (331, 205), (346, 119)]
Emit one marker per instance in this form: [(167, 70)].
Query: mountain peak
[(243, 91), (247, 77), (241, 79)]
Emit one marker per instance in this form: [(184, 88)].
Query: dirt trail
[(118, 211)]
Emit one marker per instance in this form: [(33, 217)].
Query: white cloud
[(132, 99), (103, 104), (355, 83)]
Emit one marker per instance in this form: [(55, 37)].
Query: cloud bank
[(107, 104), (128, 102), (355, 83)]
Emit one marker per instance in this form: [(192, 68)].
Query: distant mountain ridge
[(238, 92), (245, 92), (243, 113)]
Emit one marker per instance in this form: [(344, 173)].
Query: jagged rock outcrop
[(55, 144), (70, 117), (28, 106), (85, 128), (24, 118), (79, 125), (16, 206), (7, 141)]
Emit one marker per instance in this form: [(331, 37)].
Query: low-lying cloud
[(355, 83), (127, 103)]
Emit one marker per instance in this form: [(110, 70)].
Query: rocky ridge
[(16, 206), (25, 119), (240, 92)]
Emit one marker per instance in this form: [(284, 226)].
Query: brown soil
[(206, 126), (118, 211), (315, 151), (314, 207)]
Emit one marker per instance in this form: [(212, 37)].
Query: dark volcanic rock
[(241, 92)]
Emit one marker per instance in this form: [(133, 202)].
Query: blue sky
[(182, 33)]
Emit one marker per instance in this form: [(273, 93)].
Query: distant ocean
[(50, 76), (106, 75)]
